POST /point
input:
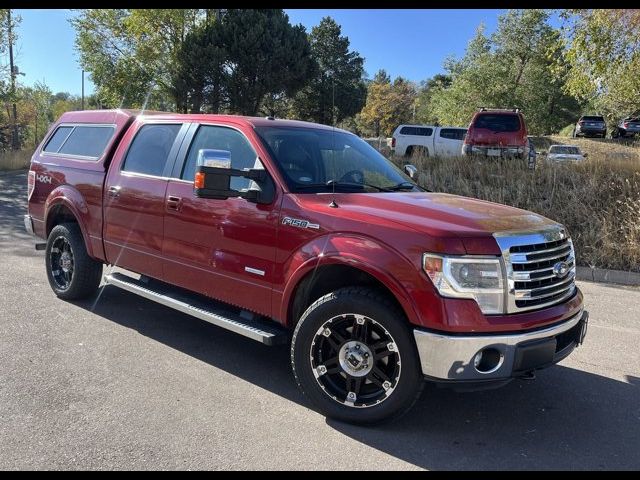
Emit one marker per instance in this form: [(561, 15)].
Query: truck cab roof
[(121, 115)]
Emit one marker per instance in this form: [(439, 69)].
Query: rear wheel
[(354, 357), (71, 272)]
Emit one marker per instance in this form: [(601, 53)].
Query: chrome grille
[(532, 261)]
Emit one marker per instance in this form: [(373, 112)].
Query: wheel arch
[(411, 149), (66, 205), (321, 275)]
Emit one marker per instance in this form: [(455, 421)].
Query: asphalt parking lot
[(118, 382)]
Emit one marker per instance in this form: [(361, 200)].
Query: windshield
[(317, 160), (565, 150), (498, 122)]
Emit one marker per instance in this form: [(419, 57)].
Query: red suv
[(497, 133)]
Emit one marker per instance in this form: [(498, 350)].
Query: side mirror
[(213, 178), (543, 152), (585, 155), (411, 170)]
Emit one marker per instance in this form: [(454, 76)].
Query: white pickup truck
[(428, 140)]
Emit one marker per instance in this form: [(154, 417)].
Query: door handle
[(174, 203), (114, 191)]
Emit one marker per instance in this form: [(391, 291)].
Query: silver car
[(565, 153)]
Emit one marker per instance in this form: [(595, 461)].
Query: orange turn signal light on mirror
[(198, 181)]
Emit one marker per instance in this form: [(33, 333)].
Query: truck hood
[(434, 214)]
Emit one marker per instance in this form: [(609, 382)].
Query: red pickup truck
[(293, 232)]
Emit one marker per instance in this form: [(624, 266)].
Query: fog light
[(488, 360)]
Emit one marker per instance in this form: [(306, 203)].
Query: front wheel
[(355, 358), (71, 272)]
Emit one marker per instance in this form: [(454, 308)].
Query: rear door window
[(149, 151), (498, 122), (88, 141)]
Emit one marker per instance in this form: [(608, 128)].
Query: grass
[(597, 200), (15, 159), (567, 131)]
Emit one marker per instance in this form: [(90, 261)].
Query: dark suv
[(497, 133), (628, 127), (590, 125)]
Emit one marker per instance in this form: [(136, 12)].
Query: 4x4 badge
[(296, 222)]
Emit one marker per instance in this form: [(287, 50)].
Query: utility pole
[(82, 90), (14, 140)]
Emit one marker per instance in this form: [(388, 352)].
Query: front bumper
[(453, 357)]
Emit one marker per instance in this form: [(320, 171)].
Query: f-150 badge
[(296, 222)]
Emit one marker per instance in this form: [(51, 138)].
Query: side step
[(202, 308)]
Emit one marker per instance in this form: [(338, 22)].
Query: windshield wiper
[(353, 184), (349, 185), (401, 186), (342, 185)]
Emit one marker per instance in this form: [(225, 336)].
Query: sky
[(410, 43)]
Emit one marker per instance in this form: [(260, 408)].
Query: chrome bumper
[(28, 224), (449, 357)]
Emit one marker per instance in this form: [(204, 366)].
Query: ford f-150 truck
[(295, 233)]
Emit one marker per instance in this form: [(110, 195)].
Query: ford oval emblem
[(561, 269)]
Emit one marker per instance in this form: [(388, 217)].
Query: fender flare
[(71, 199), (352, 260)]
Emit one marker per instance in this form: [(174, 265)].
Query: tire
[(408, 152), (387, 380), (72, 275)]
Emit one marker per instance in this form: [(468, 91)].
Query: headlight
[(479, 278)]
